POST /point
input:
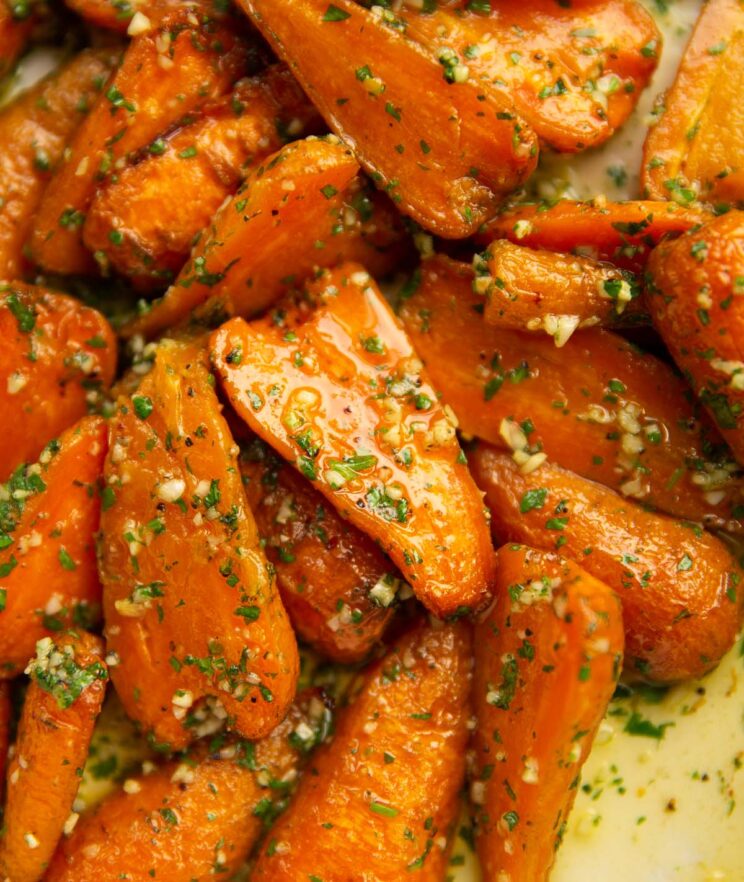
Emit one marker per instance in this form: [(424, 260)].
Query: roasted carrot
[(679, 586), (338, 588), (190, 602), (166, 73), (56, 357), (597, 406), (573, 72), (340, 393), (196, 816), (48, 518), (117, 15), (145, 220), (385, 790), (547, 659), (17, 22), (6, 713), (447, 152), (68, 684), (695, 149)]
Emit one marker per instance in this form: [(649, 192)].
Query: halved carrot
[(48, 519), (383, 795), (597, 406), (190, 602), (338, 588), (194, 817), (340, 393), (68, 684), (573, 72), (145, 220), (695, 149), (679, 586), (56, 357), (165, 74), (547, 659), (447, 153)]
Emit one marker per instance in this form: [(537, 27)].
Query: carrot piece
[(165, 73), (16, 27), (305, 207), (64, 698), (116, 15), (145, 220), (190, 604), (447, 153), (385, 790), (695, 149), (547, 659), (694, 286), (620, 232), (340, 393), (574, 73), (677, 583), (551, 292), (196, 816), (56, 356), (338, 588), (597, 406), (48, 520)]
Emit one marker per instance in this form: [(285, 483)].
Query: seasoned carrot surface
[(117, 15)]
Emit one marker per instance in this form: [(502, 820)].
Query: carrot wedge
[(189, 599), (56, 356), (48, 520), (679, 586), (385, 790), (447, 153), (68, 684), (596, 406), (547, 659), (339, 392), (695, 150)]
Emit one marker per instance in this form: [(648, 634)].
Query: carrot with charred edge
[(48, 520), (68, 684), (622, 233), (447, 153), (56, 356), (548, 656), (340, 393), (15, 32), (597, 406), (195, 816), (550, 292), (386, 787), (189, 599), (695, 284), (338, 588), (573, 73), (166, 73), (694, 151), (679, 586), (145, 220)]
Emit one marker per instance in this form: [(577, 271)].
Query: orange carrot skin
[(447, 153), (695, 150), (165, 73), (56, 356), (146, 220), (340, 393), (695, 287), (64, 698), (679, 586), (325, 567), (395, 764), (577, 404), (548, 655), (190, 604), (48, 575), (34, 129), (192, 817), (574, 73)]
